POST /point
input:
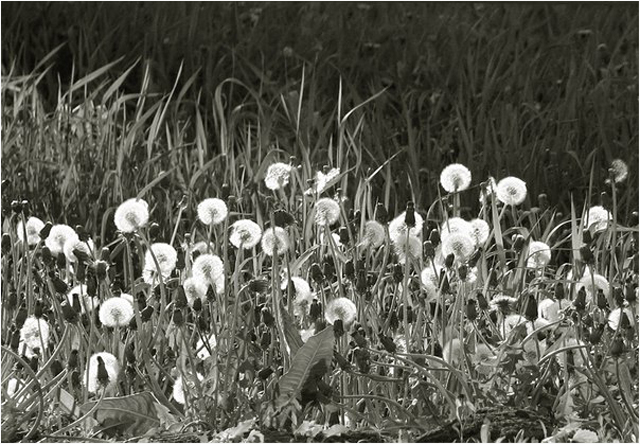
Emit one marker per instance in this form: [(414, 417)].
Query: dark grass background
[(546, 92)]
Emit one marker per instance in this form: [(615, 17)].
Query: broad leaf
[(291, 333), (319, 347), (132, 415)]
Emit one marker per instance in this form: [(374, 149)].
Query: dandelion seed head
[(615, 316), (510, 322), (87, 303), (343, 309), (178, 387), (430, 278), (202, 351), (116, 312), (411, 246), (619, 170), (511, 191), (74, 243), (275, 241), (195, 287), (277, 176), (210, 268), (455, 177), (305, 334), (35, 333), (505, 304), (598, 218), (398, 227), (131, 215), (455, 225), (165, 255), (111, 365), (549, 309), (584, 435), (460, 244), (323, 181), (212, 211), (592, 284), (33, 228), (301, 287), (201, 247), (480, 231), (373, 234), (58, 236), (327, 211), (245, 234), (539, 254)]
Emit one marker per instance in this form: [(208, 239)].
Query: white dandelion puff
[(112, 367), (324, 181), (74, 243), (549, 309), (205, 346), (87, 303), (195, 287), (275, 241), (212, 211), (511, 191), (411, 246), (58, 236), (619, 170), (430, 278), (178, 387), (598, 218), (584, 435), (480, 231), (509, 323), (327, 211), (539, 254), (277, 176), (210, 268), (398, 228), (35, 333), (166, 257), (461, 245), (245, 234), (373, 234), (593, 283), (615, 316), (455, 225), (33, 228), (455, 177), (116, 312), (131, 215), (343, 309)]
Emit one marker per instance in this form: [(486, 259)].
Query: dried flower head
[(210, 268), (324, 181), (373, 234), (178, 387), (58, 236), (598, 218), (487, 189), (35, 333), (343, 309), (327, 211), (619, 170), (212, 211), (505, 304), (460, 244), (480, 231), (539, 254), (95, 381), (195, 287), (245, 234), (131, 215), (277, 176), (116, 312), (33, 228), (455, 177), (166, 257), (511, 191), (411, 246), (398, 227), (275, 241)]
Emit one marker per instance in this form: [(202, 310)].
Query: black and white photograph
[(319, 222)]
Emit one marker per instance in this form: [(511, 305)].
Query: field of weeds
[(319, 222)]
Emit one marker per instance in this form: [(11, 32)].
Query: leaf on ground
[(319, 347), (336, 430), (235, 434), (68, 403), (133, 414), (309, 429)]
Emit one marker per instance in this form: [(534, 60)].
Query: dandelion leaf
[(318, 348), (291, 333), (131, 415)]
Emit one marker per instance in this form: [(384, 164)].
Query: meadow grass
[(206, 102)]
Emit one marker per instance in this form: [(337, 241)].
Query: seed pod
[(398, 273), (315, 310), (316, 273), (15, 339), (178, 319), (543, 201), (462, 272), (16, 206), (265, 340), (44, 233), (83, 235), (531, 310), (342, 362), (73, 360), (338, 328), (154, 230), (410, 216), (61, 261), (601, 300), (129, 353), (448, 261), (470, 310), (387, 343), (382, 215), (559, 291), (359, 339), (6, 243), (482, 301), (56, 368), (21, 316), (434, 237), (581, 300), (180, 298), (617, 347), (428, 250), (586, 255), (344, 236), (267, 317), (618, 295), (518, 242), (265, 373), (47, 257), (146, 313), (630, 293), (283, 219), (349, 270), (197, 304)]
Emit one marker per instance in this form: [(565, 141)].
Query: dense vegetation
[(280, 221)]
